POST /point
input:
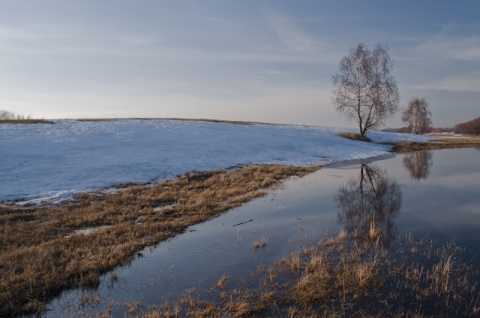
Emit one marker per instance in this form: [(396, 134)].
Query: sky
[(254, 60)]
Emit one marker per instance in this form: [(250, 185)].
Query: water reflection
[(369, 205), (418, 164)]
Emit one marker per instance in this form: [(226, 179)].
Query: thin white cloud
[(469, 82), (455, 42), (13, 33), (137, 39), (293, 37), (30, 32), (272, 72)]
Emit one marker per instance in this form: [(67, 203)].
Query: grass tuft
[(262, 243)]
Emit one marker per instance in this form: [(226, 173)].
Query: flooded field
[(432, 195)]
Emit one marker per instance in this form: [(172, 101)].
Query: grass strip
[(467, 141), (439, 143), (25, 121)]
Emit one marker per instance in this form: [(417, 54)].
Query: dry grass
[(354, 136), (342, 278), (468, 141), (439, 143), (262, 243), (222, 282), (41, 252)]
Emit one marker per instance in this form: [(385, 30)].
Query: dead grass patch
[(439, 143), (354, 136), (42, 252), (468, 141)]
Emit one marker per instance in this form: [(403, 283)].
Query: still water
[(432, 194)]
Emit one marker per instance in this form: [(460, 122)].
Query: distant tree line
[(470, 127), (6, 115)]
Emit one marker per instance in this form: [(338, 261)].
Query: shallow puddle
[(429, 194)]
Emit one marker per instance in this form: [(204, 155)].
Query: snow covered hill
[(56, 161)]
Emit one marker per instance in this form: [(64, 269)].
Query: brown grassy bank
[(467, 141), (439, 143), (354, 136), (41, 252), (345, 277)]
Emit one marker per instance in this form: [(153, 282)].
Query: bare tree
[(365, 90), (418, 116)]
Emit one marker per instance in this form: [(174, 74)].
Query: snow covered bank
[(56, 161)]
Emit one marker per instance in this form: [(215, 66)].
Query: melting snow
[(53, 162)]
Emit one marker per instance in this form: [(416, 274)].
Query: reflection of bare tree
[(418, 164), (369, 205)]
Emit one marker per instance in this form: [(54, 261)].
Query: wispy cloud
[(293, 37), (137, 39), (12, 33), (454, 41), (468, 82)]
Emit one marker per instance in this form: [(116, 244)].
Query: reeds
[(341, 277), (262, 243)]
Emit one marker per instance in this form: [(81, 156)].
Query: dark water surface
[(432, 194)]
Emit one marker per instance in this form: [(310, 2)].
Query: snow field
[(52, 162)]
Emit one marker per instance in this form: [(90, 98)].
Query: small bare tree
[(365, 90), (417, 116)]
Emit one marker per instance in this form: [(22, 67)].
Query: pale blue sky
[(241, 60)]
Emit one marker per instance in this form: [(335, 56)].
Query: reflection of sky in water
[(445, 206)]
